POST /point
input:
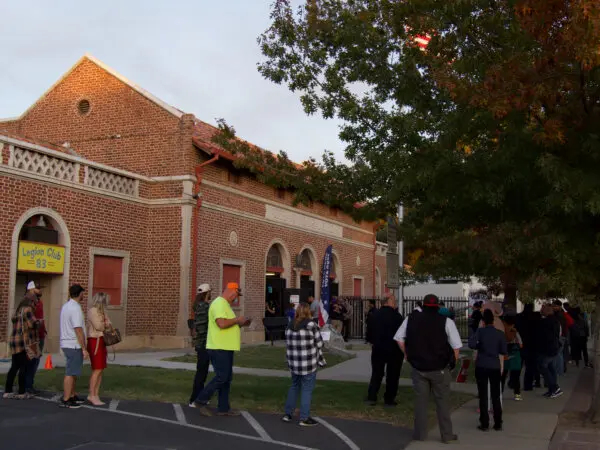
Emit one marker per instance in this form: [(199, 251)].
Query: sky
[(199, 56)]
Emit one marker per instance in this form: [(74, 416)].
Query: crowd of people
[(77, 342), (505, 342), (544, 343)]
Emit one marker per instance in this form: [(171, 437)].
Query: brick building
[(102, 176)]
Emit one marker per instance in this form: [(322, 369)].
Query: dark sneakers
[(230, 413), (77, 400), (70, 404), (287, 418), (310, 422), (557, 393)]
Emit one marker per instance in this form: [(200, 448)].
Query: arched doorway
[(41, 253), (307, 270), (277, 273)]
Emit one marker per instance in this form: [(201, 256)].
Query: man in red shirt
[(33, 290)]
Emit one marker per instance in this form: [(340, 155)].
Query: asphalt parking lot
[(26, 424)]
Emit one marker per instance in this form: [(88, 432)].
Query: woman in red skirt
[(98, 321)]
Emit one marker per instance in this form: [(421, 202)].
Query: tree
[(489, 136)]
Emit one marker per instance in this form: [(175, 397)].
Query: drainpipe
[(195, 224), (374, 258)]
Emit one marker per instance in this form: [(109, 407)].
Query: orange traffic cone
[(48, 365)]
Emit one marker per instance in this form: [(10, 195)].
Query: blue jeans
[(222, 362), (303, 385), (32, 368), (547, 366)]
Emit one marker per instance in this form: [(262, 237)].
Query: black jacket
[(528, 325), (548, 336), (383, 326)]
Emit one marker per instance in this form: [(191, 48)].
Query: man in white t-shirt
[(72, 344)]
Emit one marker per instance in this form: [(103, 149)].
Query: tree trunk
[(595, 407), (509, 286)]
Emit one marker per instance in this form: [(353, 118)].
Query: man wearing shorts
[(72, 344)]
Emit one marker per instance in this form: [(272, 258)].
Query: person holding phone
[(223, 340)]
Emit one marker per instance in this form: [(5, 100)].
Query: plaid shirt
[(304, 348), (24, 331)]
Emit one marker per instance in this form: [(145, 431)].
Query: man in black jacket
[(527, 325), (548, 348), (386, 356)]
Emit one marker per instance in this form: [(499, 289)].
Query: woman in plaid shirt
[(24, 346), (304, 356)]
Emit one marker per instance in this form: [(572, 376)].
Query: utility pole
[(401, 259)]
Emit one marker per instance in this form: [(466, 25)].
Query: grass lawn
[(262, 357), (330, 398)]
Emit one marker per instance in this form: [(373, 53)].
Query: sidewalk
[(528, 425), (357, 369), (570, 433)]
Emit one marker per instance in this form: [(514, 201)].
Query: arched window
[(274, 258)]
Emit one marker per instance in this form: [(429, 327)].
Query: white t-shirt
[(71, 317)]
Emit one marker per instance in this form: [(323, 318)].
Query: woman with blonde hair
[(304, 355), (98, 321)]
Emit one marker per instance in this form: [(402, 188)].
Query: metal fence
[(458, 308), (359, 306), (355, 325)]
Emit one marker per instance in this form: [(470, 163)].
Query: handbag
[(112, 335)]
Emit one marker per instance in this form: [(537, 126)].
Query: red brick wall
[(151, 234), (253, 243), (218, 172), (152, 141)]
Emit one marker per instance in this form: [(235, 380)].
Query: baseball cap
[(203, 288), (431, 300), (32, 285), (235, 287)]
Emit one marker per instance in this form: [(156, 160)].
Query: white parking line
[(179, 413), (112, 406), (196, 427), (338, 433), (257, 426)]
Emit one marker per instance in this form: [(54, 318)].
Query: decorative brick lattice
[(111, 182), (42, 164)]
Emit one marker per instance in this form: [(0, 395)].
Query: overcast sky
[(197, 55)]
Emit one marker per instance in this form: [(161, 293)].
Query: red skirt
[(98, 355)]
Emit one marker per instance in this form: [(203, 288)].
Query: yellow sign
[(37, 257)]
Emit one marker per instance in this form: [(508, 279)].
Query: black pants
[(532, 373), (483, 377), (579, 349), (19, 364), (379, 361), (346, 329), (514, 380), (202, 364)]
